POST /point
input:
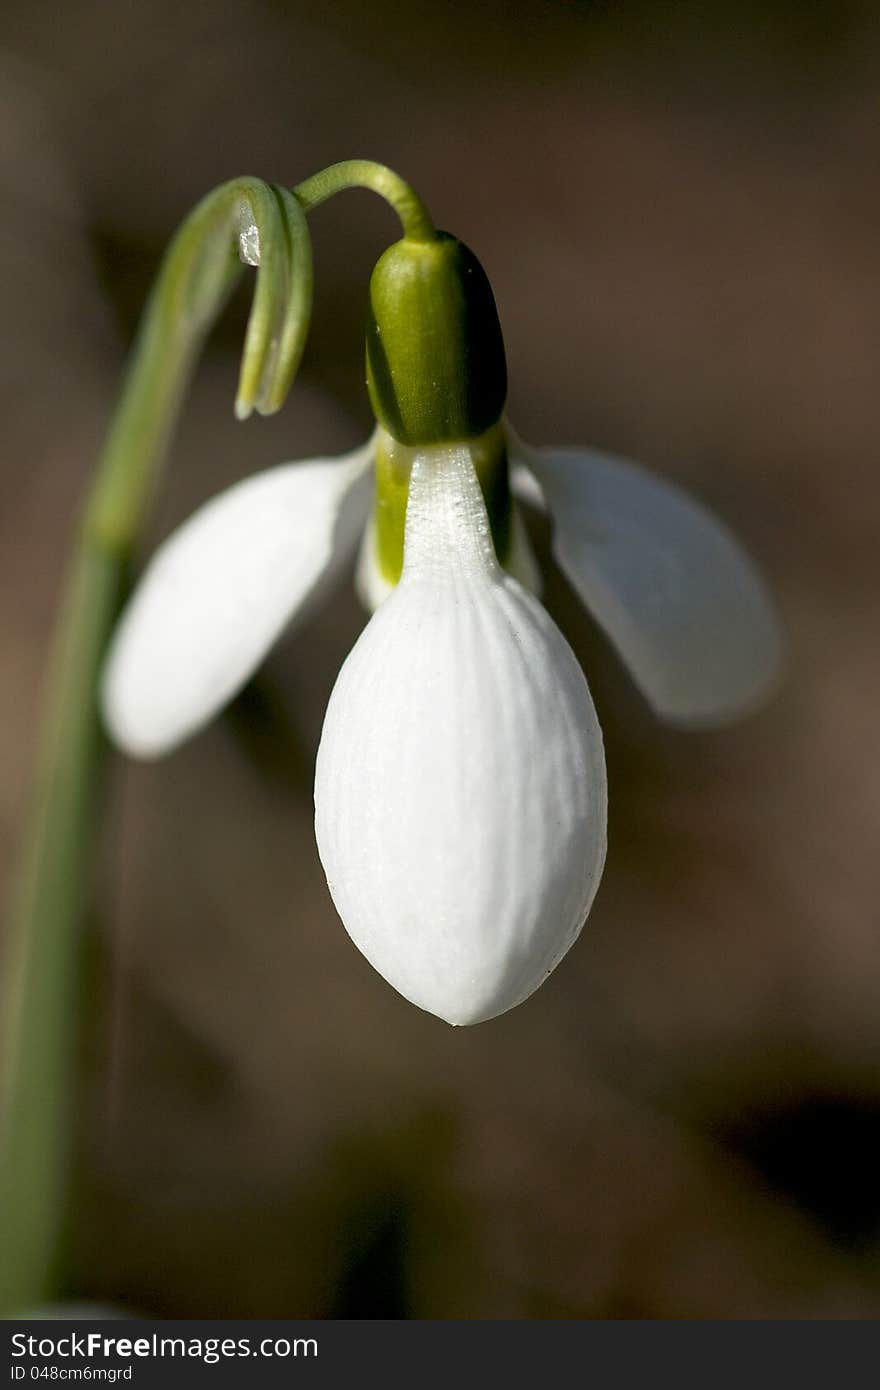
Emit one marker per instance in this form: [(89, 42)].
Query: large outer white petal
[(219, 592), (460, 792), (675, 592)]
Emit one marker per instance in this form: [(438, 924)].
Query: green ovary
[(393, 466)]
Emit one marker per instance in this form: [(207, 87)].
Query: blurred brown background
[(679, 209)]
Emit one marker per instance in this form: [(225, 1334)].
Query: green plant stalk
[(39, 986), (42, 948), (39, 1021), (364, 173)]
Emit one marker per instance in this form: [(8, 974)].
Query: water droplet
[(248, 239)]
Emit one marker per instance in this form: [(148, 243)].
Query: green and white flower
[(460, 789)]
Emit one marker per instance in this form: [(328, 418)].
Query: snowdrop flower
[(460, 789)]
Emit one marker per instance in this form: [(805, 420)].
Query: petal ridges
[(460, 790)]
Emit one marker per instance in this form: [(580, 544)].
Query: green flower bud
[(435, 356)]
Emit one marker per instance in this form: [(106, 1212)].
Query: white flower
[(460, 789)]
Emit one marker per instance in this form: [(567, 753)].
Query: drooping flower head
[(460, 789)]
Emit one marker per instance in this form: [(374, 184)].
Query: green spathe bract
[(435, 356)]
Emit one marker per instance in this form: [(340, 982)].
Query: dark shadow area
[(374, 1283), (824, 1153)]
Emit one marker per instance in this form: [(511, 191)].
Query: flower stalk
[(364, 173), (41, 942)]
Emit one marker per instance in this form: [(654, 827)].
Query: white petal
[(522, 562), (221, 590), (460, 791), (523, 483), (370, 583), (373, 588), (675, 592)]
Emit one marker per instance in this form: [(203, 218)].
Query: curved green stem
[(364, 173), (268, 225), (200, 268), (42, 941)]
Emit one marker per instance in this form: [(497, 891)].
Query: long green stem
[(42, 955), (39, 991), (39, 984)]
